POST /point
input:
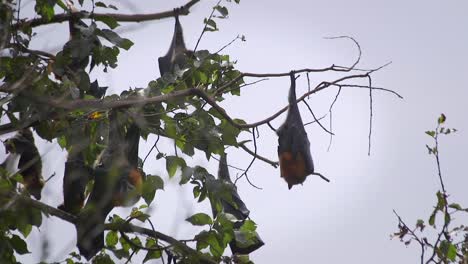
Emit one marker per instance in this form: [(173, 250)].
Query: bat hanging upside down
[(294, 146)]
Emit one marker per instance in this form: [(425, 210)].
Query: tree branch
[(275, 164), (122, 227), (35, 22)]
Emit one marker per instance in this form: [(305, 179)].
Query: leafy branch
[(445, 248)]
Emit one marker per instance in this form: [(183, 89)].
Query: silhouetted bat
[(30, 163), (76, 176), (238, 209), (294, 146), (177, 53), (117, 182), (75, 56)]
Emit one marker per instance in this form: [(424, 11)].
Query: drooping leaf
[(200, 219)]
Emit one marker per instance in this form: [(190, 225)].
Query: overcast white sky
[(350, 219)]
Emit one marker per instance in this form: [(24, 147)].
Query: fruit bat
[(238, 209), (177, 53), (77, 173), (117, 182), (293, 145), (72, 61), (29, 162), (76, 176)]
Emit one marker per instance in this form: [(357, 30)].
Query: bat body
[(29, 163), (177, 53), (76, 176), (293, 145), (117, 182), (238, 209)]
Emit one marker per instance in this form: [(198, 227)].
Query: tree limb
[(123, 227), (59, 18)]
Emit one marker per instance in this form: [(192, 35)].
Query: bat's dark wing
[(177, 53), (293, 145), (75, 178), (90, 224), (237, 207)]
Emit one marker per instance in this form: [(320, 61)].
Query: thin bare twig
[(275, 164), (251, 163), (413, 235), (371, 108), (205, 26), (331, 116), (315, 118)]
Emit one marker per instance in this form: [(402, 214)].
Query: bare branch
[(275, 164)]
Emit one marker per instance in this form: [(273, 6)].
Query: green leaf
[(109, 21), (45, 8), (172, 163), (222, 10), (187, 173), (112, 238), (102, 259), (440, 200), (24, 228), (152, 254), (136, 241), (116, 39), (451, 252), (200, 219), (447, 218), (455, 206), (150, 186), (432, 218), (249, 225), (210, 25), (100, 4), (19, 245), (441, 119), (420, 224), (430, 133), (137, 214)]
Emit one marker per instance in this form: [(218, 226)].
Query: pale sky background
[(350, 219)]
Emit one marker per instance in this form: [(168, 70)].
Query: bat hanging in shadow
[(117, 182), (29, 161), (239, 210), (75, 178), (77, 173), (71, 62), (293, 145), (177, 53)]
